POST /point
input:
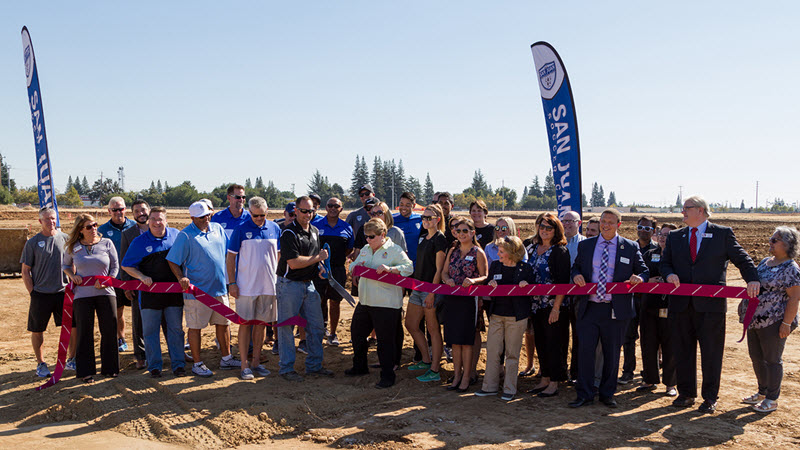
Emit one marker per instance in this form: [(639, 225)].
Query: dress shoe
[(580, 402), (609, 401), (707, 407), (383, 384), (535, 391), (646, 388), (625, 379), (546, 395), (352, 372), (683, 401)]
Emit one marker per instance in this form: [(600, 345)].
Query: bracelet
[(787, 324)]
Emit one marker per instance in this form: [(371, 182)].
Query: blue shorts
[(418, 298)]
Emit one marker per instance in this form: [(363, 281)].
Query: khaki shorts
[(199, 316), (257, 307)]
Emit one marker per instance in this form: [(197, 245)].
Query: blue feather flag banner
[(44, 172), (562, 126)]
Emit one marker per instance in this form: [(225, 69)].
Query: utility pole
[(503, 193), (293, 189), (121, 178), (756, 195), (392, 191), (680, 194)]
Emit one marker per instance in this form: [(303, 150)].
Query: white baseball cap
[(199, 209)]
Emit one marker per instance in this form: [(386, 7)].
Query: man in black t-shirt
[(297, 268)]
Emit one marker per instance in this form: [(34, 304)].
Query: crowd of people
[(274, 270)]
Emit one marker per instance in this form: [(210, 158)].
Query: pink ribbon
[(700, 290), (136, 285)]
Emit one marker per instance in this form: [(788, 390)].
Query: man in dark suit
[(699, 254), (141, 211), (602, 316)]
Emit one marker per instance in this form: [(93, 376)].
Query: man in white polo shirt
[(252, 264)]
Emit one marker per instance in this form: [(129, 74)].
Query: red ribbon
[(700, 290), (136, 285)]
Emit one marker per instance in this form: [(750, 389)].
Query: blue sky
[(702, 95)]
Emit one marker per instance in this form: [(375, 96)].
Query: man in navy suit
[(699, 254), (603, 317)]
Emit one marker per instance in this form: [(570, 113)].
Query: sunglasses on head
[(117, 209), (91, 226), (644, 228), (306, 211)]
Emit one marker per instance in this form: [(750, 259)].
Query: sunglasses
[(258, 215), (90, 226), (364, 194), (428, 217), (239, 197), (496, 228), (644, 228), (370, 236), (306, 211), (773, 240), (376, 213), (462, 230), (546, 227), (117, 209), (333, 206)]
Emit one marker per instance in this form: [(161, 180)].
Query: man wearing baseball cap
[(201, 249), (359, 217)]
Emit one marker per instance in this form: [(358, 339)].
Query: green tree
[(5, 176), (5, 196), (84, 190), (69, 185), (359, 178), (182, 195), (427, 192), (26, 195), (742, 205), (510, 196), (549, 189), (479, 187), (102, 191), (376, 178), (415, 188), (71, 198), (597, 199), (612, 199), (536, 188)]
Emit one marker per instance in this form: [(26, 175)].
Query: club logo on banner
[(562, 126)]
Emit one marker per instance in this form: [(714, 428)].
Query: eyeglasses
[(239, 197), (370, 236), (364, 194), (306, 211), (497, 228), (376, 212), (689, 207), (773, 240), (546, 227), (117, 209), (462, 230), (428, 217), (333, 206), (644, 228), (258, 215), (91, 226)]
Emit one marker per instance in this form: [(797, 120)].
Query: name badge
[(421, 239), (655, 258), (707, 235), (469, 258), (624, 260), (662, 313), (613, 316), (498, 276)]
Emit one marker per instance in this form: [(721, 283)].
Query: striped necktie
[(602, 277)]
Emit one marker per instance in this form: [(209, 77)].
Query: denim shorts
[(418, 298)]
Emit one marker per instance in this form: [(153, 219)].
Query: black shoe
[(383, 384), (625, 378), (683, 401), (355, 373), (155, 373), (322, 372), (179, 372), (578, 402), (646, 388), (535, 391), (707, 407), (546, 395), (372, 342), (473, 380), (572, 382), (609, 401), (453, 387)]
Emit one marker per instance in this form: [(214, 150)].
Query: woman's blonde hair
[(437, 210), (375, 226), (77, 228), (513, 246)]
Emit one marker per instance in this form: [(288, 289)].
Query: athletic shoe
[(201, 370), (42, 371), (260, 370), (420, 366), (625, 379), (322, 372), (301, 347), (448, 353), (247, 374), (186, 346), (333, 340), (430, 376), (70, 365), (507, 396), (482, 393), (123, 346), (275, 348), (292, 376), (228, 364), (155, 373)]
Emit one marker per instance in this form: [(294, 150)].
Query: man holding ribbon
[(604, 316), (699, 254)]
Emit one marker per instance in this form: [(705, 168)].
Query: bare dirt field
[(224, 411)]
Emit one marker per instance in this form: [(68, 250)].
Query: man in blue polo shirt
[(410, 222), (339, 235), (113, 230), (146, 260), (235, 214), (201, 249), (252, 263)]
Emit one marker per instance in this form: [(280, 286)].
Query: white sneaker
[(201, 370), (70, 365), (228, 364), (260, 370), (246, 374)]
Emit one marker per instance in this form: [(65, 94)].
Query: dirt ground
[(224, 411)]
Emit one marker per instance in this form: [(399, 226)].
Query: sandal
[(527, 373), (766, 406), (88, 380), (754, 399)]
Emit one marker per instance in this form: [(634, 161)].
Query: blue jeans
[(151, 325), (299, 298)]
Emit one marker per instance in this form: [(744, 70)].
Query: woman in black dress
[(465, 265)]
